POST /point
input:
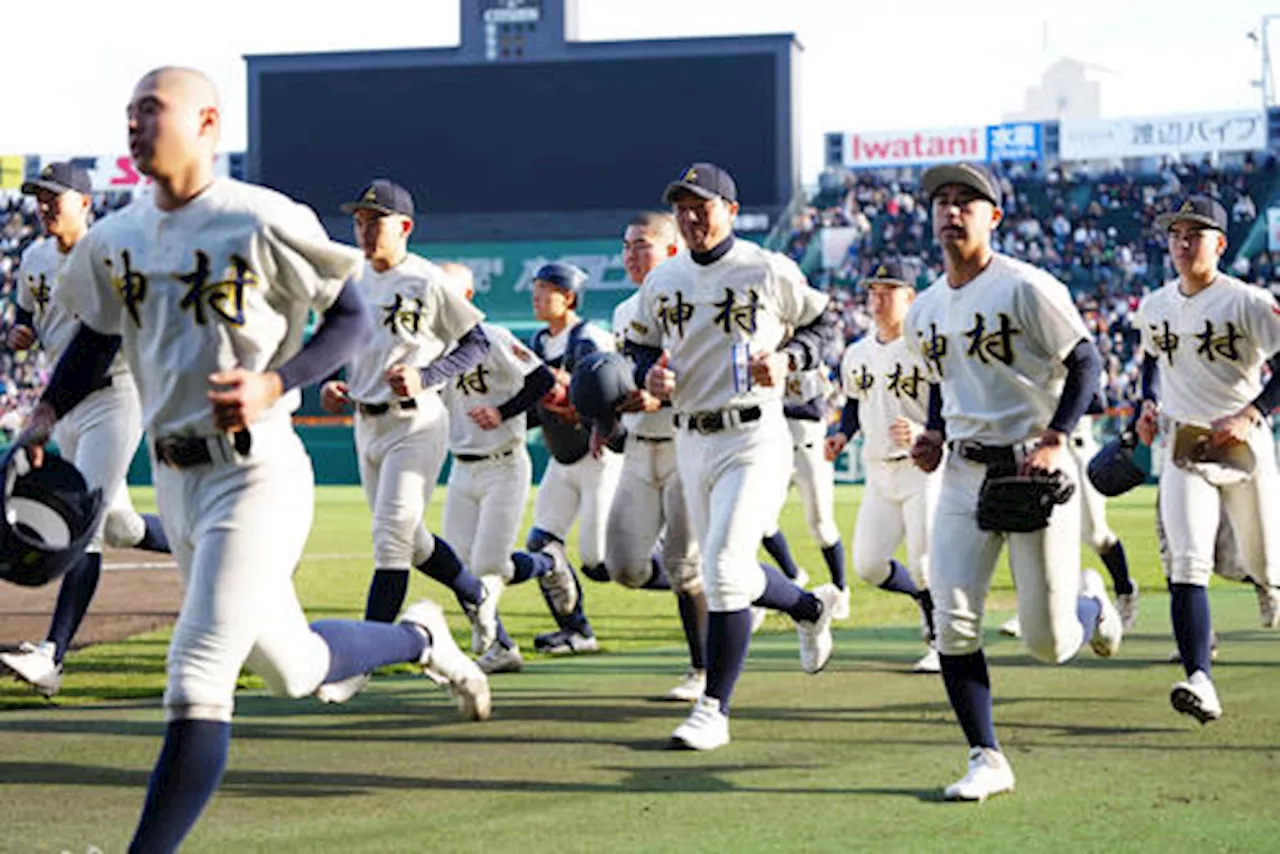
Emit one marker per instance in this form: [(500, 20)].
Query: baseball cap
[(384, 196), (563, 275), (1207, 211), (705, 180), (977, 178), (888, 272), (60, 177)]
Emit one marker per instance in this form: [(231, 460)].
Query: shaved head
[(461, 276), (175, 122), (190, 84)]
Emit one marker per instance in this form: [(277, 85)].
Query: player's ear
[(673, 249), (997, 216), (406, 226)]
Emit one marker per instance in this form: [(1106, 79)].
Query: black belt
[(987, 455), (479, 458), (184, 452), (718, 419), (383, 408), (899, 458), (653, 440), (105, 382)]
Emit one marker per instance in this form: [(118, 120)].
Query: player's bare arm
[(334, 397), (21, 337), (926, 452), (660, 381), (239, 396)]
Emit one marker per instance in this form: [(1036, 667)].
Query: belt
[(383, 408), (654, 440), (479, 458), (105, 382), (184, 452), (987, 455), (899, 458), (716, 420)]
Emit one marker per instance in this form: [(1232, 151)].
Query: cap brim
[(1165, 221), (885, 280), (352, 207), (30, 188), (937, 177), (676, 187)]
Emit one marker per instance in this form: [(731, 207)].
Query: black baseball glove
[(1019, 504)]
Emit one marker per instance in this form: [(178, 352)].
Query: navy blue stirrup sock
[(780, 550), (834, 556), (969, 690), (386, 595), (1118, 567), (693, 619), (728, 641), (154, 538), (357, 646), (1192, 626), (531, 565), (782, 594), (183, 782), (502, 638), (899, 580), (74, 596), (445, 567)]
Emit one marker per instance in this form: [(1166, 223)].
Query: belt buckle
[(705, 422), (970, 450)]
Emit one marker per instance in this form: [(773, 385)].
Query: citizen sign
[(871, 149)]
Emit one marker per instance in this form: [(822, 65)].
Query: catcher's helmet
[(1114, 470), (565, 276), (599, 381), (47, 517)]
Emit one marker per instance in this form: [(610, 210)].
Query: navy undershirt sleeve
[(344, 324)]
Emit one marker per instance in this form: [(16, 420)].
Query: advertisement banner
[(1273, 229), (1014, 142), (116, 172), (877, 149), (1155, 136), (13, 169)]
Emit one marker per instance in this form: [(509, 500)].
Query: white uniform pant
[(649, 500), (100, 436), (735, 483), (238, 528), (484, 509), (815, 479), (1189, 512), (1045, 566), (583, 490), (401, 453), (898, 503), (1094, 530)]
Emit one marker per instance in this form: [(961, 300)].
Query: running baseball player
[(206, 286), (577, 483), (710, 337), (887, 399), (99, 436), (1017, 370), (491, 473), (1210, 334)]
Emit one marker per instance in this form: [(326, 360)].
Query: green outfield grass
[(575, 758)]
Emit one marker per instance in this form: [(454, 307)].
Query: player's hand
[(1234, 429), (486, 417), (405, 380), (902, 432), (1148, 422), (1044, 457), (334, 397), (768, 369), (240, 396), (660, 381), (600, 441), (36, 431), (21, 337), (926, 452), (639, 400), (834, 446)]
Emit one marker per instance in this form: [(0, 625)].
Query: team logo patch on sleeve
[(644, 330), (521, 353)]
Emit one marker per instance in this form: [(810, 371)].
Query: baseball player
[(648, 509), (99, 436), (1017, 370), (710, 336), (577, 483), (887, 399), (1210, 335), (490, 477), (205, 286)]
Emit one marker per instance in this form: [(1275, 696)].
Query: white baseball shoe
[(690, 687), (342, 690), (34, 664), (443, 659), (815, 636), (1197, 697), (1109, 631), (565, 642), (1175, 657), (928, 663), (559, 585), (989, 774), (841, 611), (500, 659), (1127, 605), (1012, 627), (1268, 605), (706, 728), (484, 617)]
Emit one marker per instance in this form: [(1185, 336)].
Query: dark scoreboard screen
[(535, 136)]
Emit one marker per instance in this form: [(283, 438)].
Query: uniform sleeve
[(25, 300), (847, 385), (1262, 320), (507, 351), (643, 328), (305, 264), (604, 341), (85, 285), (914, 343), (1050, 317), (454, 314), (800, 303), (1144, 332)]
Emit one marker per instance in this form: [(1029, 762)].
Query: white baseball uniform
[(100, 434), (711, 319), (582, 489), (490, 478), (227, 280), (996, 346), (418, 316), (1211, 349), (813, 475), (649, 502), (888, 382)]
